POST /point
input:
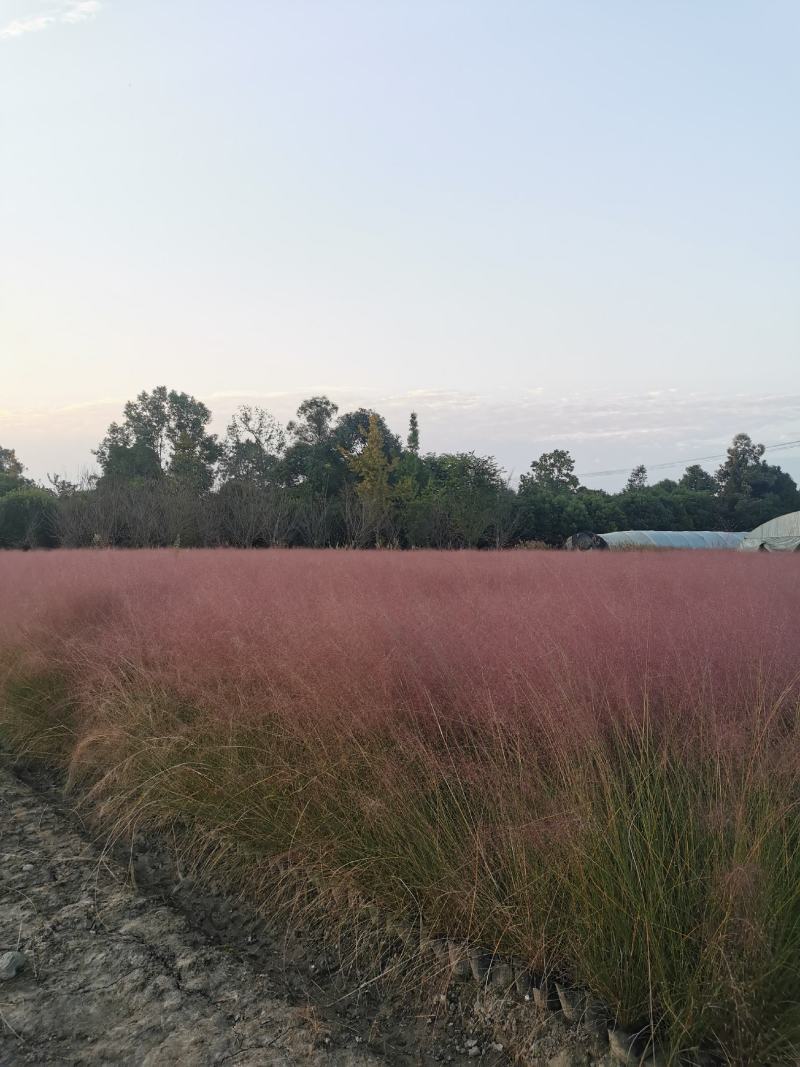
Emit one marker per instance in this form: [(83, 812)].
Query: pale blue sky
[(537, 223)]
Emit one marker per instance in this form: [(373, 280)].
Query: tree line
[(346, 480)]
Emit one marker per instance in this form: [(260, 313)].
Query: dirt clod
[(11, 963)]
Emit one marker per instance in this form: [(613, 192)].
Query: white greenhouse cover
[(673, 539), (777, 535)]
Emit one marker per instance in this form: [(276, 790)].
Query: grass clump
[(625, 822)]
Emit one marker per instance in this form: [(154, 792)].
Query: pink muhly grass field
[(571, 637), (584, 761)]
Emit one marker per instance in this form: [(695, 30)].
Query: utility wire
[(679, 462)]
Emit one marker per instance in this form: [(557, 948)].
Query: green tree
[(751, 491), (315, 472), (313, 423), (373, 469), (188, 467), (9, 464), (461, 502), (129, 462), (371, 465), (312, 460), (646, 509), (601, 510), (352, 429), (28, 518), (550, 501), (154, 423), (695, 478), (550, 515), (253, 445), (743, 457), (552, 470), (412, 441), (637, 479), (11, 471), (411, 475)]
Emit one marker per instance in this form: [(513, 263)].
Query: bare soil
[(155, 973)]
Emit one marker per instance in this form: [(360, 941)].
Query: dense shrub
[(28, 519)]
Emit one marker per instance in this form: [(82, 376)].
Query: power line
[(680, 462)]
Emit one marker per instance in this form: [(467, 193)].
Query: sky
[(540, 225)]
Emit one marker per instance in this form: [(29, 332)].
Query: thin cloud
[(69, 12), (435, 399), (82, 10)]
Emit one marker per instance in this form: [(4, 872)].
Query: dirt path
[(112, 975), (115, 977)]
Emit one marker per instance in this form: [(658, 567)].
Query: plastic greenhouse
[(655, 539), (777, 535)]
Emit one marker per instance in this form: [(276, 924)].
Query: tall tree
[(156, 421), (750, 489), (11, 471), (253, 446), (188, 467), (352, 428), (373, 469), (9, 464), (128, 462), (694, 477), (637, 479), (553, 470), (313, 423), (743, 457), (316, 472), (412, 441)]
